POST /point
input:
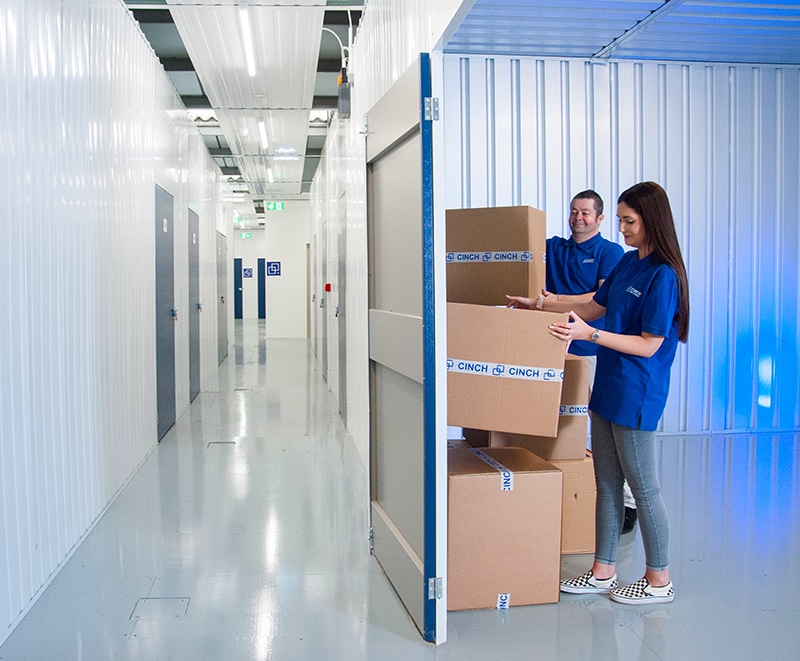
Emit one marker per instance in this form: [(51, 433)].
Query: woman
[(646, 304)]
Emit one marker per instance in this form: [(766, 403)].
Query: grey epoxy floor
[(243, 536)]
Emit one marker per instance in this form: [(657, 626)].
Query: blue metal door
[(237, 288)]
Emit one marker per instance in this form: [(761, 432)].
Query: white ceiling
[(266, 131), (290, 41)]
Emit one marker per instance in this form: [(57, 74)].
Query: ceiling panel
[(287, 175), (285, 45), (684, 30), (286, 38), (285, 131)]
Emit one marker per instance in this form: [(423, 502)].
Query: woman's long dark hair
[(650, 201)]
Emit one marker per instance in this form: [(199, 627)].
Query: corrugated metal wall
[(724, 141), (89, 123)]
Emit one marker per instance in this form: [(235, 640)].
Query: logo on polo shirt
[(588, 260), (633, 291)]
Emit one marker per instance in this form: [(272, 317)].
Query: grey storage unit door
[(165, 310), (195, 306), (222, 297)]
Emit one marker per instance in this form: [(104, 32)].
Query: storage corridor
[(244, 536)]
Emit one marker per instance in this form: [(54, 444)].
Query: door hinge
[(431, 106), (371, 538), (435, 588)]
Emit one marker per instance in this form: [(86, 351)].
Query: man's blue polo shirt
[(576, 268)]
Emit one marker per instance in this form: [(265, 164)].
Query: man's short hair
[(591, 195)]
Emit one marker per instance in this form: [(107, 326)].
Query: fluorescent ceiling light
[(262, 131), (269, 175), (247, 34)]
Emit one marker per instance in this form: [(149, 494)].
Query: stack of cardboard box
[(523, 403)]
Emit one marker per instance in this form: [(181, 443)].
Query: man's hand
[(525, 303)]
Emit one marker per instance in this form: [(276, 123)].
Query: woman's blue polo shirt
[(640, 296)]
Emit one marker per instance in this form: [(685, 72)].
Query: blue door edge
[(429, 357)]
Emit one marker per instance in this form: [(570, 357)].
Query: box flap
[(469, 461)]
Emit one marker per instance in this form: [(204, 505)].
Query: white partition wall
[(281, 242), (90, 126), (723, 141)]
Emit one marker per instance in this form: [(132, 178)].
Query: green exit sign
[(245, 235), (274, 206)]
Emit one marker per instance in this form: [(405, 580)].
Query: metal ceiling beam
[(667, 7), (177, 64), (325, 102), (196, 101)]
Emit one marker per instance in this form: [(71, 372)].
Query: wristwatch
[(595, 336)]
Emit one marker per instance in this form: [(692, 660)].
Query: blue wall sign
[(247, 273), (273, 268)]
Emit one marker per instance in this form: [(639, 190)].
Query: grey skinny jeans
[(621, 453)]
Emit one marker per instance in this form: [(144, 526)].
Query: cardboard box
[(573, 420), (494, 251), (579, 496), (504, 369), (504, 544), (478, 438)]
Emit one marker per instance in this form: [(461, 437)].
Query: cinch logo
[(527, 256), (506, 257), (507, 481), (524, 372), (487, 257), (468, 257), (573, 409), (449, 364), (549, 375), (465, 366), (589, 260), (503, 600), (633, 291), (499, 370)]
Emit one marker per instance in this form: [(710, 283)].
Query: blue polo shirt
[(640, 296), (576, 268)]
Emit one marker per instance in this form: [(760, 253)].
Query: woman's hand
[(644, 345), (577, 329)]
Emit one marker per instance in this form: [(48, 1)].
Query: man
[(575, 269)]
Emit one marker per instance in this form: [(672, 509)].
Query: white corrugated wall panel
[(391, 35), (79, 108), (723, 141)]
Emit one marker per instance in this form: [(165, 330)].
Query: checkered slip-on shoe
[(588, 584), (642, 592)]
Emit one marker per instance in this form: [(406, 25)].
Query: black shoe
[(630, 520)]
